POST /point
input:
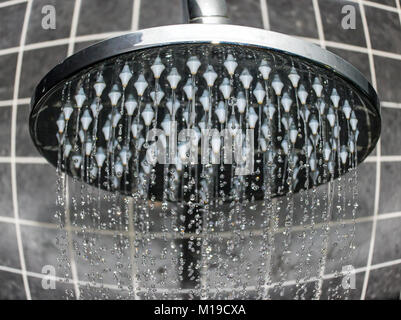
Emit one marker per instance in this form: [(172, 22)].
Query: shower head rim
[(197, 34)]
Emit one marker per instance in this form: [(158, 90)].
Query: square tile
[(6, 201), (8, 246), (295, 17), (12, 286), (101, 258), (36, 185), (63, 291), (5, 131), (387, 73), (366, 177), (332, 19), (391, 131), (342, 238), (366, 189), (333, 289), (24, 145), (387, 241), (305, 291), (97, 16), (40, 248), (8, 63), (160, 13), (384, 284), (390, 3), (36, 64), (88, 292), (82, 45), (63, 19), (390, 189), (246, 13), (12, 19), (300, 259), (387, 37), (357, 59)]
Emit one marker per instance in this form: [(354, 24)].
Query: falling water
[(152, 207)]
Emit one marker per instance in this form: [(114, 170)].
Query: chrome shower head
[(203, 112)]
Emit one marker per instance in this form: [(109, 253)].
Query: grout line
[(50, 225), (265, 14), (345, 46), (398, 5), (319, 23), (378, 155), (136, 8), (9, 103), (13, 147), (161, 290), (392, 215), (387, 104), (74, 27), (11, 3)]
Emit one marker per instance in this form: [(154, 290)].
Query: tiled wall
[(27, 52)]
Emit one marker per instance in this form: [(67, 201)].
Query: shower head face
[(164, 121)]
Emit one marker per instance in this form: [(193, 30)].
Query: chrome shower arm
[(205, 11)]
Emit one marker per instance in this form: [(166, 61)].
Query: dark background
[(27, 183)]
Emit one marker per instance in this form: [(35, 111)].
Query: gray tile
[(295, 17), (333, 289), (384, 283), (36, 185), (388, 36), (12, 286), (160, 13), (5, 131), (387, 74), (12, 19), (40, 248), (387, 241), (366, 189), (104, 261), (98, 16), (8, 246), (36, 64), (305, 291), (24, 145), (63, 291), (300, 260), (332, 17), (6, 202), (8, 63), (82, 45), (342, 239), (390, 3), (357, 59), (63, 18), (366, 177), (391, 131), (246, 13), (390, 200)]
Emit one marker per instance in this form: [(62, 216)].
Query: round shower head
[(204, 111)]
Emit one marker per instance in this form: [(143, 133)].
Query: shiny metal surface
[(204, 33)]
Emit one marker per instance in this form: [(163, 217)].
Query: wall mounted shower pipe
[(205, 11)]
